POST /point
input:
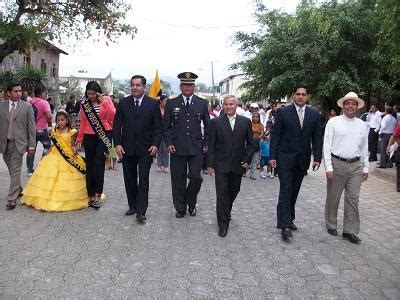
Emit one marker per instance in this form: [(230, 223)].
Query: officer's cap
[(187, 77)]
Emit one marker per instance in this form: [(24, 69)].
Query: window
[(27, 60), (53, 71), (43, 65)]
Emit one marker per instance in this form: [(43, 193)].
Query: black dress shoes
[(222, 232), (351, 237), (130, 212), (286, 233), (333, 232), (141, 218), (292, 226), (192, 212), (180, 214)]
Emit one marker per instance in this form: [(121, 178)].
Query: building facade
[(46, 59)]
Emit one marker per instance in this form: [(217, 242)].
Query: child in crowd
[(258, 129), (58, 183), (266, 170)]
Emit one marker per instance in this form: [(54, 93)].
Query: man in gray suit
[(17, 135)]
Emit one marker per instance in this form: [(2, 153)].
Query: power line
[(196, 26)]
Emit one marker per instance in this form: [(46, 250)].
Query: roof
[(231, 77), (51, 46)]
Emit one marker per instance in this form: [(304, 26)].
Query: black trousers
[(185, 196), (95, 164), (227, 187), (290, 182), (373, 144), (138, 194)]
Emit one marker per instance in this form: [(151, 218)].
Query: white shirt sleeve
[(328, 146), (364, 155)]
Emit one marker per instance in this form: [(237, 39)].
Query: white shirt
[(184, 98), (298, 108), (347, 138), (10, 103), (232, 120), (375, 119), (240, 111), (388, 124), (140, 99)]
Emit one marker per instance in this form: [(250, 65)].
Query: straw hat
[(351, 96)]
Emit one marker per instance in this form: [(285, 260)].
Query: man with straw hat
[(346, 166)]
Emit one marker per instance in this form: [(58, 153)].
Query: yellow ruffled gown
[(56, 185)]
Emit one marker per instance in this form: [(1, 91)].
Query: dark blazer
[(227, 148), (137, 130), (291, 144), (73, 109), (182, 128)]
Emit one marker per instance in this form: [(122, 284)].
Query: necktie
[(11, 122), (187, 102), (136, 104), (301, 117)]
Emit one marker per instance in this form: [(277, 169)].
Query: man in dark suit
[(296, 129), (73, 106), (230, 150), (186, 143), (137, 136)]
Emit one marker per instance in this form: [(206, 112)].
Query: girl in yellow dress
[(58, 183)]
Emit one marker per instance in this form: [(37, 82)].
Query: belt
[(348, 160)]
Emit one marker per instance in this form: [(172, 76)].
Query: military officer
[(186, 143)]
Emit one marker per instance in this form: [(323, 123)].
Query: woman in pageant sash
[(97, 116)]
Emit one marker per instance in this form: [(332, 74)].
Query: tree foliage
[(333, 47), (25, 23), (29, 78)]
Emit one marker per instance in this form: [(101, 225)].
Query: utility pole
[(212, 79)]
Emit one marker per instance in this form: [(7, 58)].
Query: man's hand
[(316, 165), (210, 171), (330, 175), (31, 151), (153, 150), (244, 165), (272, 163), (74, 149), (171, 149), (120, 151), (365, 176)]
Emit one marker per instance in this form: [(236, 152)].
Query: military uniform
[(182, 128)]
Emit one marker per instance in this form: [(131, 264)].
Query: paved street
[(102, 254)]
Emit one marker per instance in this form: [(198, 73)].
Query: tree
[(330, 47), (30, 78), (25, 23), (71, 87)]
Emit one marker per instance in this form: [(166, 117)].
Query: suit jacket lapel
[(227, 124), (237, 120), (296, 116)]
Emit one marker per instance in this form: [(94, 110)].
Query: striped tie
[(301, 117)]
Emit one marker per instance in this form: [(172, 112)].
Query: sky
[(173, 36)]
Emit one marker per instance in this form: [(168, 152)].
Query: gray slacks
[(348, 177), (13, 160)]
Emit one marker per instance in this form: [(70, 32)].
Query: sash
[(96, 124), (80, 166)]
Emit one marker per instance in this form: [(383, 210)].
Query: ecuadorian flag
[(155, 89)]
